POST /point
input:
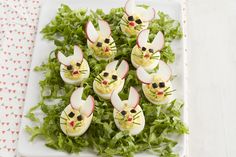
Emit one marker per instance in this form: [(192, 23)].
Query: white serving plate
[(43, 47)]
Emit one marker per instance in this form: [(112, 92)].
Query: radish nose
[(131, 23), (159, 93), (106, 49), (146, 55), (104, 82), (72, 123), (75, 72)]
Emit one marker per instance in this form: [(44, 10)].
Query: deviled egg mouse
[(128, 115), (75, 119), (135, 18), (147, 54), (112, 78), (74, 69), (100, 42), (156, 86)]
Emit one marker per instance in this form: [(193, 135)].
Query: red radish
[(158, 42), (116, 101), (76, 98), (164, 70), (143, 38), (123, 69), (149, 14), (88, 106), (130, 7), (78, 54), (143, 76), (104, 28), (63, 59), (112, 65), (91, 32), (133, 97)]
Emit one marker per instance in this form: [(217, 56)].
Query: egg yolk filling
[(75, 70)]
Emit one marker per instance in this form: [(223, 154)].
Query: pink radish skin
[(158, 42), (142, 38), (104, 28), (123, 69), (116, 101), (133, 97), (78, 54), (91, 32), (143, 76), (130, 7), (88, 107)]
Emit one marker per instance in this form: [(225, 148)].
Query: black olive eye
[(105, 74), (99, 44), (78, 64), (79, 118), (133, 111), (69, 67), (154, 85), (131, 18), (71, 114), (143, 48), (138, 21), (114, 77), (107, 40), (151, 50), (162, 84), (123, 112)]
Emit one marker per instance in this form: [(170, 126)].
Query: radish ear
[(149, 14), (78, 54), (112, 65), (91, 32), (158, 42), (130, 7), (143, 76), (87, 107), (133, 97), (104, 28), (76, 98), (143, 38), (164, 70), (116, 101), (63, 59), (123, 69)]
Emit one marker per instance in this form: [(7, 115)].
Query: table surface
[(211, 62)]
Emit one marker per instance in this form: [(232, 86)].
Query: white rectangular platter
[(43, 48)]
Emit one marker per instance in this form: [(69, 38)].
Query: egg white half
[(166, 100), (136, 129), (80, 130), (80, 79), (148, 68)]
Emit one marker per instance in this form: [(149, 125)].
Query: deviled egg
[(112, 78), (76, 118), (147, 54), (128, 115), (135, 18), (100, 42), (74, 69), (156, 87)]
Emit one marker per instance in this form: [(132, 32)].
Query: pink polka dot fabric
[(18, 21)]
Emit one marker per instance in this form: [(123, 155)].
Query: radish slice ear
[(91, 32), (63, 59), (123, 69), (112, 65), (143, 38), (164, 70), (158, 42), (133, 97), (143, 76), (149, 14), (104, 28), (88, 107), (76, 98), (116, 101), (130, 7), (78, 54)]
